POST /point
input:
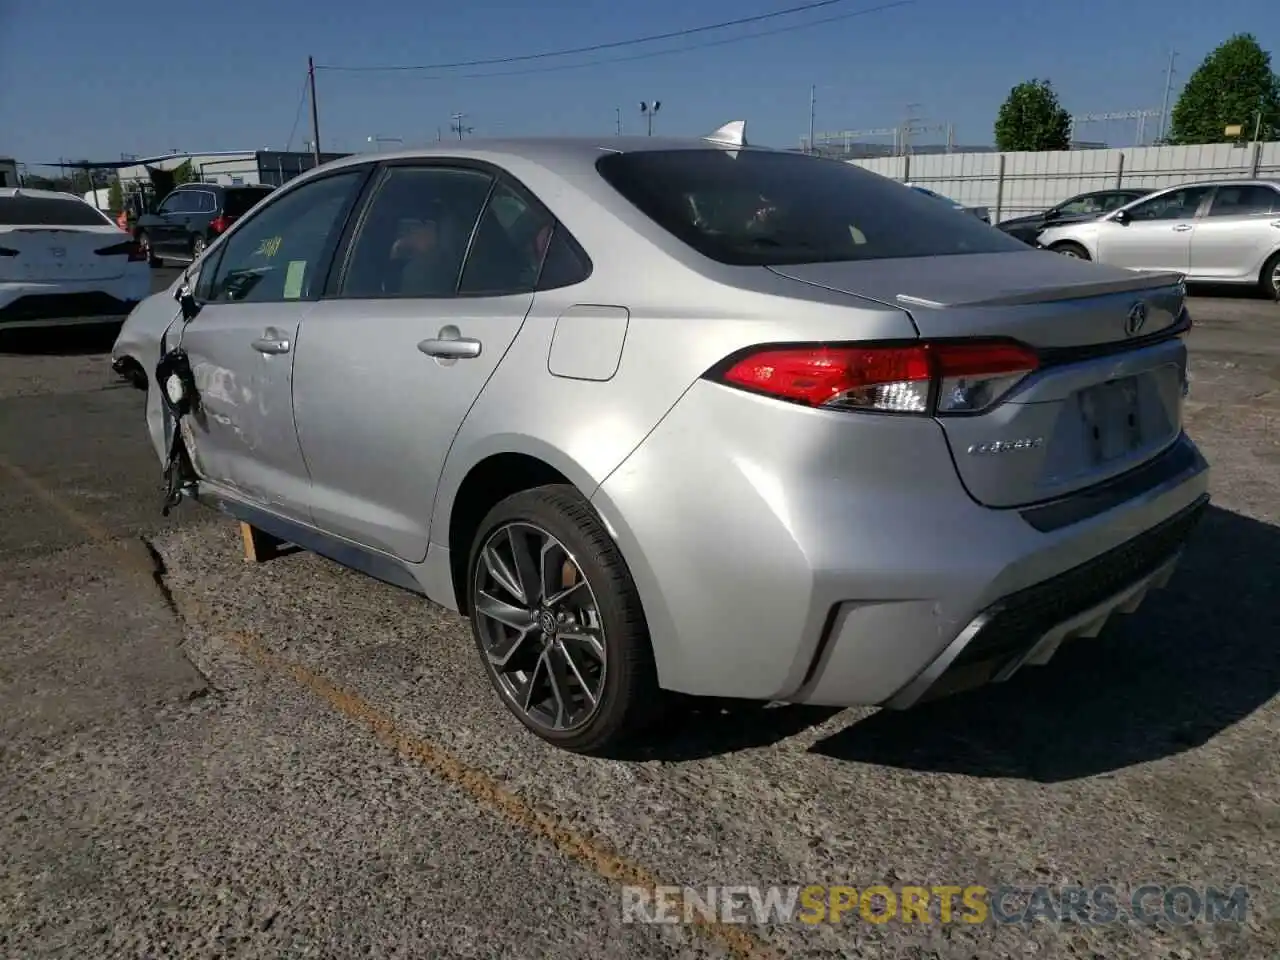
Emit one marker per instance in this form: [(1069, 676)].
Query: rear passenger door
[(1238, 233), (434, 284)]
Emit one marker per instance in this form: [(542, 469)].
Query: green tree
[(1031, 118), (1234, 85), (183, 173), (115, 196)]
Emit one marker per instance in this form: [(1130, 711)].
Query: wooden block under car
[(260, 546)]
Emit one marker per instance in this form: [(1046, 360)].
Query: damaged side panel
[(241, 434)]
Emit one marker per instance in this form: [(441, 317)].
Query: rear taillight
[(7, 252), (127, 248), (219, 223), (918, 378)]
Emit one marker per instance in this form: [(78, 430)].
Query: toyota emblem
[(1136, 320)]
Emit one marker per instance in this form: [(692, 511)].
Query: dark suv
[(190, 218)]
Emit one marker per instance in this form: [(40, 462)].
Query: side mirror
[(1121, 217), (187, 301), (1052, 215)]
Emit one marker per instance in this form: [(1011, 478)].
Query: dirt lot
[(200, 757)]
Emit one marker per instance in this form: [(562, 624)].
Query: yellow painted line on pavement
[(486, 791), (56, 503), (586, 851)]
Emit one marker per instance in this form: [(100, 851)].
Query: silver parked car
[(1215, 232), (683, 415)]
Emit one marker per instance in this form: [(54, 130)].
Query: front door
[(388, 368), (1156, 234), (254, 294)]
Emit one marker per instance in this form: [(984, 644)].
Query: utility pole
[(315, 113), (457, 126), (1168, 87), (618, 119), (813, 99)]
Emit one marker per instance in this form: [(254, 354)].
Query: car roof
[(10, 193), (544, 150)]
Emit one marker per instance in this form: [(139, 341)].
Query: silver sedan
[(1214, 232), (682, 416)]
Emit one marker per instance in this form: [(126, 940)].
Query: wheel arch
[(493, 476)]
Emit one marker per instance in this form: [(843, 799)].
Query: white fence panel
[(1014, 184)]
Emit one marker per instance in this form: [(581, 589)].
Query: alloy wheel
[(540, 628), (197, 246), (1070, 252), (1275, 280)]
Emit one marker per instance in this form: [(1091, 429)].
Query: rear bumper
[(835, 559), (1027, 627), (30, 304)]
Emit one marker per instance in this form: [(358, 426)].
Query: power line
[(613, 45), (297, 114), (675, 50)]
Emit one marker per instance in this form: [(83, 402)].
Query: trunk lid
[(51, 254), (1107, 397)]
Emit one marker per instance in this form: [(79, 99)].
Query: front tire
[(558, 622), (1069, 249)]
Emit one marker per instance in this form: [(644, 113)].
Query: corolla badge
[(1136, 320), (1005, 446)]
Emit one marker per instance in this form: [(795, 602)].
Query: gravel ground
[(206, 758)]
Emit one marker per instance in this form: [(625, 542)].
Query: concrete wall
[(1013, 184)]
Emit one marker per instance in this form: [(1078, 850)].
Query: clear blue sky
[(92, 79)]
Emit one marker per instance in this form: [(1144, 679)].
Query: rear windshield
[(241, 201), (763, 207), (48, 212)]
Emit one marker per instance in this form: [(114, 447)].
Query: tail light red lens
[(917, 378), (129, 248), (219, 223)]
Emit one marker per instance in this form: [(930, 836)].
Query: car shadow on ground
[(696, 728), (1196, 658), (1226, 291), (70, 341)]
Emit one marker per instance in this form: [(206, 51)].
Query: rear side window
[(236, 203), (48, 212), (508, 247), (1242, 201), (566, 263), (759, 207)]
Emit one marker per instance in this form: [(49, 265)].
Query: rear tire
[(1069, 249), (565, 645), (1270, 279), (197, 247)]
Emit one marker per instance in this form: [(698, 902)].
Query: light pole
[(649, 109), (378, 140)]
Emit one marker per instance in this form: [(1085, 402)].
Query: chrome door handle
[(455, 348), (270, 345), (1182, 228)]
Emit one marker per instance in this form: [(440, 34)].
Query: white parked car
[(64, 262), (1216, 232)]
